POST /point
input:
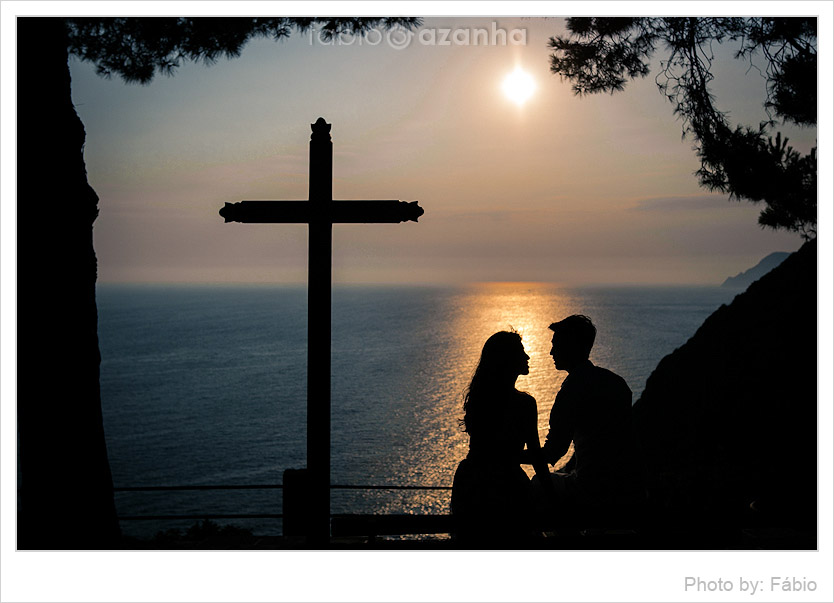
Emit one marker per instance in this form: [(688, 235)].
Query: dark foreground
[(210, 536)]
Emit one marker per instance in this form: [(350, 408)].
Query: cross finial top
[(321, 129)]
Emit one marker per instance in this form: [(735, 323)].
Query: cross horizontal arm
[(299, 212)]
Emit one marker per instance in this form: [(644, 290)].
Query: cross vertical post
[(318, 330), (319, 211)]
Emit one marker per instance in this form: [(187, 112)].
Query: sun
[(519, 86)]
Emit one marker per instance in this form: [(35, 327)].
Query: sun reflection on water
[(636, 328), (428, 442), (528, 308), (478, 311), (401, 358)]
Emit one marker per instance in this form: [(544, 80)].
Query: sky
[(599, 189)]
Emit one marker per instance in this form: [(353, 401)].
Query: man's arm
[(532, 454), (561, 427), (539, 456), (556, 446)]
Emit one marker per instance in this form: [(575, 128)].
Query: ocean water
[(206, 385)]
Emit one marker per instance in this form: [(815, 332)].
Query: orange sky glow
[(556, 189)]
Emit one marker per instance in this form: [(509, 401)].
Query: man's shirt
[(593, 408)]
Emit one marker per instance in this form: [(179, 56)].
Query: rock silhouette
[(729, 418)]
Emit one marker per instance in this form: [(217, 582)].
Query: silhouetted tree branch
[(602, 54), (136, 49)]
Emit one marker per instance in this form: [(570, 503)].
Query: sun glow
[(528, 308), (519, 86)]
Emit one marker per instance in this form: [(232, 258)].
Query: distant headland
[(744, 279)]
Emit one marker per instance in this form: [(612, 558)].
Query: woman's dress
[(491, 493)]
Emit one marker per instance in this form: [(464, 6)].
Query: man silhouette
[(592, 409)]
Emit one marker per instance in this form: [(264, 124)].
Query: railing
[(200, 516), (245, 487), (346, 524)]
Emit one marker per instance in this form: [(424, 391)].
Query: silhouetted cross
[(320, 212)]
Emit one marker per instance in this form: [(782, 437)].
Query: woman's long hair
[(490, 378)]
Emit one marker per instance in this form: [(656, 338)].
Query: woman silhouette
[(491, 495)]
